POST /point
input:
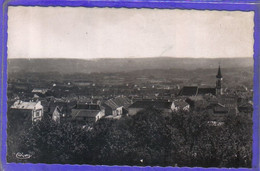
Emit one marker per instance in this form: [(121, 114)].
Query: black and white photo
[(126, 86)]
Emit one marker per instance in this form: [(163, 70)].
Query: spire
[(219, 75)]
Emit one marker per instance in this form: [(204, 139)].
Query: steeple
[(219, 75), (219, 82)]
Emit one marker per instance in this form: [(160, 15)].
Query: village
[(120, 87), (86, 102)]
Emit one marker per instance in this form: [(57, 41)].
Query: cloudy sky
[(69, 32)]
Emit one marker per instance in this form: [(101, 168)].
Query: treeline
[(147, 138)]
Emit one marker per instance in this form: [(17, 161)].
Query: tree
[(50, 142), (147, 138)]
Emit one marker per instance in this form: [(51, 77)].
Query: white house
[(180, 105), (34, 108)]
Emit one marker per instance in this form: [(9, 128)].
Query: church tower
[(219, 82)]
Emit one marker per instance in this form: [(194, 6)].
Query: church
[(195, 90)]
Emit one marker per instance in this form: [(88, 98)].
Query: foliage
[(147, 138)]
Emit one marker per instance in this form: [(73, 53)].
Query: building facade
[(34, 109)]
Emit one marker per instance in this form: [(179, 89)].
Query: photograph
[(130, 87)]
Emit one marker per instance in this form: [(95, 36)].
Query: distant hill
[(121, 65)]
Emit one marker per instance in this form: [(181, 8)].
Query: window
[(38, 113)]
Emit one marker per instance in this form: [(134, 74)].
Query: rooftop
[(189, 91), (24, 105), (118, 102), (207, 91), (84, 113), (154, 104), (88, 106)]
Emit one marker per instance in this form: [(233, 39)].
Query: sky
[(79, 32)]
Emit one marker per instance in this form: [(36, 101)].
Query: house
[(87, 113), (165, 106), (57, 114), (40, 90), (228, 99), (180, 105), (34, 110), (117, 106), (218, 111), (66, 107)]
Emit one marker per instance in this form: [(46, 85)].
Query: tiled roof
[(118, 102), (154, 104), (60, 109), (84, 113), (23, 105), (203, 91), (88, 106), (189, 91)]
